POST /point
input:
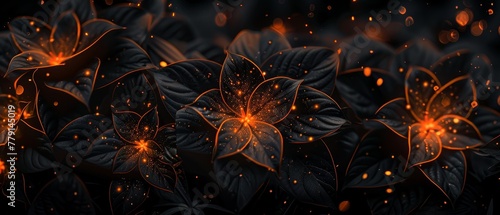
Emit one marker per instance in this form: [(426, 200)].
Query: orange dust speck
[(56, 103), (473, 104), (352, 18), (2, 166), (388, 190), (310, 139), (388, 173), (365, 176), (401, 69), (119, 189), (409, 21), (476, 29), (344, 206), (19, 89), (380, 81), (163, 64), (294, 107), (456, 120), (367, 71), (490, 11)]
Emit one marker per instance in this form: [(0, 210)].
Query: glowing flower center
[(56, 59), (142, 145)]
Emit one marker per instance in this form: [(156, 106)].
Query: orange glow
[(142, 145), (2, 166), (462, 18), (56, 59)]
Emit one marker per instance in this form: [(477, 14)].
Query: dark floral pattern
[(249, 107)]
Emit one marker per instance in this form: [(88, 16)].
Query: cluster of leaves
[(123, 110)]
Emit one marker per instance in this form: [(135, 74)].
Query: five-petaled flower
[(434, 118), (71, 33), (254, 115), (142, 135)]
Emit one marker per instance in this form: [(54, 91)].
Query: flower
[(254, 115), (70, 34), (148, 146), (434, 118)]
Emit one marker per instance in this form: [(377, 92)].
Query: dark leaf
[(315, 65), (362, 51), (126, 195), (162, 52), (29, 60), (135, 19), (365, 90), (425, 145), (103, 149), (419, 53), (232, 137), (460, 104), (181, 83), (258, 46), (66, 194), (35, 159), (173, 29), (126, 57), (487, 121), (371, 166), (447, 173), (240, 178), (93, 30), (400, 200), (134, 93), (313, 116), (308, 173), (76, 136), (131, 127), (83, 8), (193, 132)]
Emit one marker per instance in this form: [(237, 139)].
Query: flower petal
[(83, 87), (25, 34), (7, 51), (125, 124), (420, 85), (193, 132), (313, 116), (273, 99), (459, 133), (157, 173), (94, 30), (239, 78), (448, 173), (65, 35), (258, 46), (126, 159), (147, 127), (231, 138), (317, 66), (395, 116), (265, 147), (425, 145), (211, 106), (28, 60), (456, 97)]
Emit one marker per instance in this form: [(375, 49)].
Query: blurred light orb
[(220, 19), (402, 10), (409, 21), (462, 18)]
